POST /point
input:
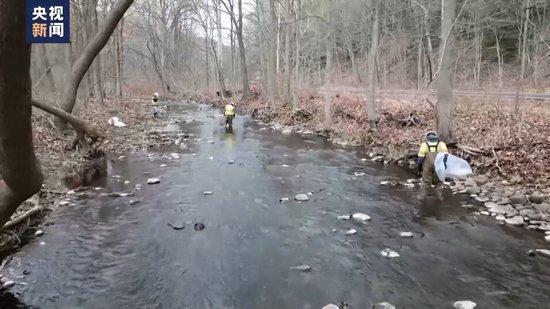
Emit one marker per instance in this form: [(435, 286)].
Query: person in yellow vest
[(229, 114), (155, 103), (426, 158)]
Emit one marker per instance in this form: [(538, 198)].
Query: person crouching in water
[(229, 115), (155, 104), (426, 160)]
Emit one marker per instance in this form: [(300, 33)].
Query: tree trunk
[(372, 115), (288, 75), (48, 68), (19, 167), (242, 52), (297, 55), (444, 80), (118, 57), (272, 58), (98, 83), (84, 61), (524, 41)]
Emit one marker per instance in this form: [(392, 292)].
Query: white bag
[(452, 167)]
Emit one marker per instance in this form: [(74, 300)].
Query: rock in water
[(406, 234), (351, 232), (39, 233), (543, 252), (8, 284), (284, 199), (207, 193), (301, 267), (302, 197), (516, 221), (331, 306), (153, 181), (344, 217), (359, 174), (199, 226), (177, 226), (500, 217), (389, 253), (231, 162), (175, 156), (464, 304), (360, 217), (383, 305)]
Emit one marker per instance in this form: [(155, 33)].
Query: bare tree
[(84, 61), (444, 79), (371, 102), (19, 168)]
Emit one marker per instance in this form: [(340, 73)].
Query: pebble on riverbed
[(153, 181), (351, 232), (8, 284), (464, 304), (389, 253), (207, 193), (39, 233), (344, 217), (302, 197), (406, 234), (360, 217), (383, 305), (301, 268)]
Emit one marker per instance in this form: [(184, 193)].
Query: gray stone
[(516, 221), (344, 217), (406, 234), (543, 252), (302, 197), (527, 212), (134, 202), (464, 304), (153, 181), (389, 253), (473, 190), (383, 305), (301, 267), (518, 199), (331, 306), (544, 226), (481, 179), (351, 232), (470, 182), (482, 199), (542, 208), (511, 212), (500, 217), (503, 201), (39, 233), (532, 227), (360, 217), (207, 193), (537, 197), (8, 284)]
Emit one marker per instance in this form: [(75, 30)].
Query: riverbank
[(65, 170), (508, 146)]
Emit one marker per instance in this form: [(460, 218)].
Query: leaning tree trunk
[(19, 168), (444, 80), (91, 50)]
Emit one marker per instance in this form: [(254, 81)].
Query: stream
[(148, 250)]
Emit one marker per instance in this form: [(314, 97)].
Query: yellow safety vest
[(229, 110)]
